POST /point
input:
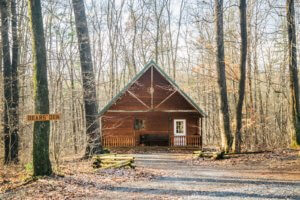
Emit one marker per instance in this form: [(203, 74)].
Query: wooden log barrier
[(212, 155), (113, 161)]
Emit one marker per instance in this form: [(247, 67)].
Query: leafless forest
[(237, 59), (180, 36)]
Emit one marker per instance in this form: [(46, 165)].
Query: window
[(139, 124), (179, 127)]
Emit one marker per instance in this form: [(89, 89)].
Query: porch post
[(169, 133), (100, 132), (201, 131)]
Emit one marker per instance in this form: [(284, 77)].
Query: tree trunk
[(41, 161), (15, 84), (243, 57), (73, 109), (225, 118), (11, 93), (294, 85), (88, 79), (134, 21), (7, 82)]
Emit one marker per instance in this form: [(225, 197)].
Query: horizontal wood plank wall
[(122, 125), (141, 89), (118, 127)]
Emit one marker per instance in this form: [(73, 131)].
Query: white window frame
[(184, 127)]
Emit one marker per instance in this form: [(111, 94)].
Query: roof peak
[(138, 75)]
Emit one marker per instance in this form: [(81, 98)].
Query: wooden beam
[(184, 111), (127, 111), (138, 99), (152, 88), (166, 99), (168, 111)]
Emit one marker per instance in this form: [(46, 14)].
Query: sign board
[(43, 117)]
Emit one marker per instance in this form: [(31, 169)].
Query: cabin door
[(179, 132)]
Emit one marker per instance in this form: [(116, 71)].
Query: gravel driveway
[(170, 176), (180, 180)]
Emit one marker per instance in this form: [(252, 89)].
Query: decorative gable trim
[(172, 82)]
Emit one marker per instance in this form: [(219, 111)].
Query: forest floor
[(162, 175)]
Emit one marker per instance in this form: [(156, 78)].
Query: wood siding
[(157, 109), (142, 90), (122, 124)]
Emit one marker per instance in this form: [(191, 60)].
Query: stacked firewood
[(113, 161), (212, 155)]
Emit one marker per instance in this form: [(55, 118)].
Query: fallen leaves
[(79, 180), (276, 164)]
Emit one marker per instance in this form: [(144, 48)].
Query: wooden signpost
[(43, 117)]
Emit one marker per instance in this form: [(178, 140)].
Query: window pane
[(139, 124), (179, 127)]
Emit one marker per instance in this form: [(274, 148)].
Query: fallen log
[(202, 154), (212, 155), (113, 161), (218, 155), (107, 155), (116, 158), (117, 165)]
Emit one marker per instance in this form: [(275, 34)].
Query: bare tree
[(134, 19), (124, 35), (294, 83), (15, 82), (243, 56), (41, 129), (158, 12), (88, 79), (11, 117), (174, 48), (225, 118), (7, 81)]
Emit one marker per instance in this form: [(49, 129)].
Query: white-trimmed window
[(179, 127)]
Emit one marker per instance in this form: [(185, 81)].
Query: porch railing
[(118, 141), (129, 141), (191, 140)]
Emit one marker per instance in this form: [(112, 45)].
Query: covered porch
[(174, 141)]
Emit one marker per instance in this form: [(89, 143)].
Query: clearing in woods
[(171, 176)]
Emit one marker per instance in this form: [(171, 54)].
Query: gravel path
[(180, 180), (173, 177)]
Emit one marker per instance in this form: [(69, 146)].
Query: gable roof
[(137, 76)]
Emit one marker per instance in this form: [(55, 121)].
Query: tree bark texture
[(15, 84), (293, 71), (243, 58), (88, 79), (11, 138), (220, 62), (7, 80), (41, 161)]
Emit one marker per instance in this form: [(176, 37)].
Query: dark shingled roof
[(172, 82)]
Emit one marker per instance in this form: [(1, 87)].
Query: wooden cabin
[(151, 110)]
